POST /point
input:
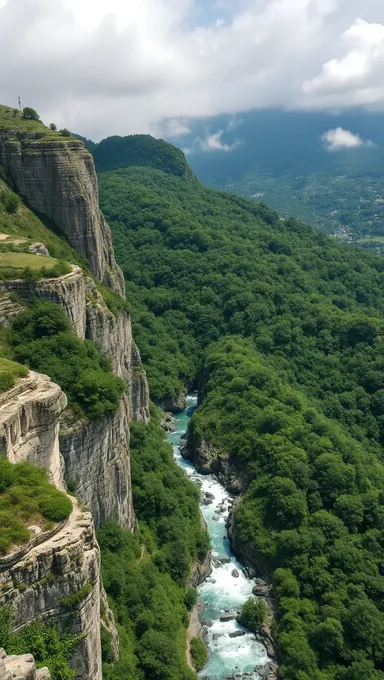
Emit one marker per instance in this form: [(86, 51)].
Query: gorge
[(280, 330)]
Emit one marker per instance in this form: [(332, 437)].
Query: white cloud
[(234, 124), (356, 77), (214, 143), (338, 139), (119, 66)]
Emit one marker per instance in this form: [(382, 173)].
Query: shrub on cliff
[(42, 339), (26, 496)]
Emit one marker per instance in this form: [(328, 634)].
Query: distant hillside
[(280, 157), (141, 150)]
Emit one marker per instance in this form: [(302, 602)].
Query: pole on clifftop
[(19, 103)]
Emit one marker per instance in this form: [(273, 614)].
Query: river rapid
[(233, 650)]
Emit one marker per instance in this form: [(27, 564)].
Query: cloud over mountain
[(103, 66), (338, 139)]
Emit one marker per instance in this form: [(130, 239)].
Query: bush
[(9, 372), (65, 133), (49, 647), (55, 506), (199, 653), (26, 495), (11, 202), (253, 614), (42, 339), (30, 114), (52, 126)]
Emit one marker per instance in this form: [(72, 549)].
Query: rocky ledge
[(59, 581), (21, 668)]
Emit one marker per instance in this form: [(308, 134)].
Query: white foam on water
[(221, 593)]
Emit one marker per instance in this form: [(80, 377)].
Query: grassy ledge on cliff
[(27, 498)]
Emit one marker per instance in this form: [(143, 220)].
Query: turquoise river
[(222, 593)]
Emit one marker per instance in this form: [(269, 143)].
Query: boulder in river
[(237, 633), (260, 591), (235, 573), (229, 616)]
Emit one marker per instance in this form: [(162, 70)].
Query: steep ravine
[(233, 651)]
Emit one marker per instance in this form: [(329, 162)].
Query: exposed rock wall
[(96, 462), (58, 178), (58, 581), (95, 454), (29, 424)]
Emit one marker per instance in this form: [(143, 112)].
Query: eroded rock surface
[(58, 581), (58, 179), (29, 424)]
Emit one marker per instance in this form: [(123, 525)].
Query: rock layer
[(29, 424), (58, 179), (58, 581), (96, 463)]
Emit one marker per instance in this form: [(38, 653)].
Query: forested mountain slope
[(295, 400)]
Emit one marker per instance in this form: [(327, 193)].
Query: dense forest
[(295, 395)]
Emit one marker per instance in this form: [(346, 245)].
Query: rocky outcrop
[(209, 459), (91, 319), (201, 568), (58, 581), (97, 465), (68, 291), (21, 667), (113, 334), (29, 424), (58, 179), (95, 454), (174, 404)]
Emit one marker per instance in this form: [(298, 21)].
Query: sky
[(103, 67)]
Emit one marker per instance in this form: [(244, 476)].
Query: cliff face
[(58, 581), (58, 179), (94, 454), (56, 577), (29, 424), (96, 462)]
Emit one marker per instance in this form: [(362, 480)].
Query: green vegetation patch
[(26, 497), (20, 222), (199, 653), (49, 647), (314, 509), (253, 614), (145, 575), (27, 122), (21, 265), (9, 372), (42, 339)]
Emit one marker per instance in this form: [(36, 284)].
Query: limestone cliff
[(29, 424), (58, 179), (95, 453), (57, 580)]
